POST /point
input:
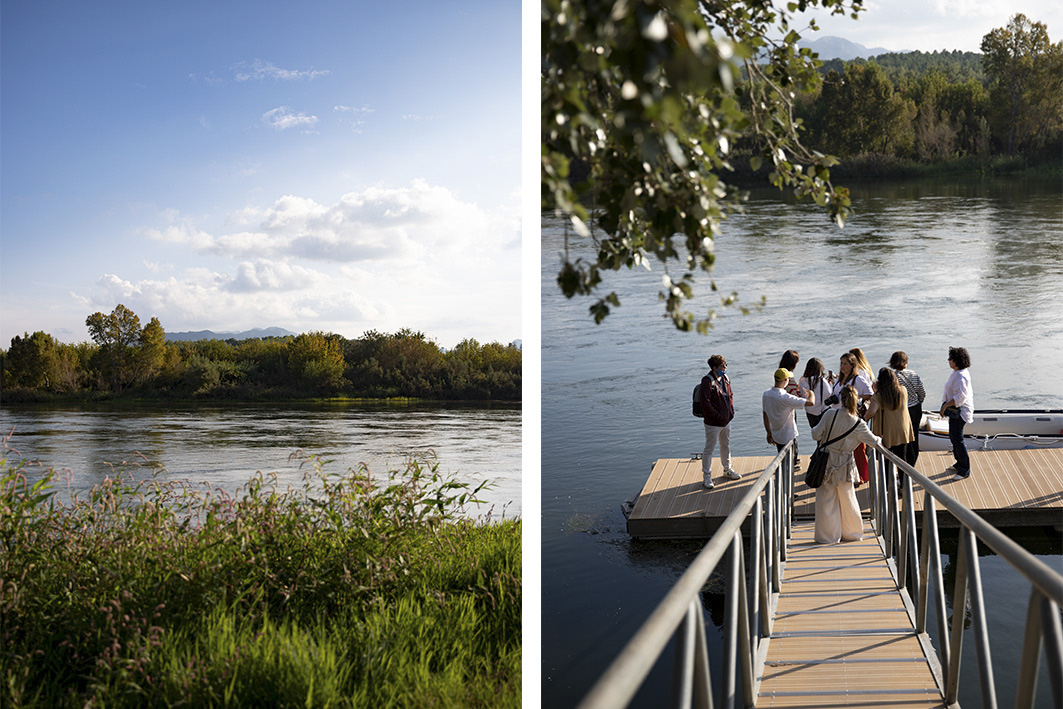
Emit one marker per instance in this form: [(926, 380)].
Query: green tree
[(32, 361), (1026, 73), (640, 109), (151, 351), (127, 354), (863, 113), (316, 359)]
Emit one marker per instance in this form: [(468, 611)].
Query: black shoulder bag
[(817, 463)]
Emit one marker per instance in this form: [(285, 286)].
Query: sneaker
[(951, 470), (708, 484), (963, 475), (732, 474)]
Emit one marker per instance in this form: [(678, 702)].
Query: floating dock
[(1006, 488)]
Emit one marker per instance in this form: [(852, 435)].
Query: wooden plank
[(842, 635), (1007, 488)]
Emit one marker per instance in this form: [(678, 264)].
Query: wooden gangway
[(815, 625), (843, 634), (1007, 488)]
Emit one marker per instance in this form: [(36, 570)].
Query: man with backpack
[(717, 410)]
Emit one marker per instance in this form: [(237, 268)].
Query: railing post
[(1053, 640), (910, 542), (730, 634), (981, 631), (930, 529), (959, 613), (766, 619), (1031, 654), (702, 673), (923, 588), (756, 525), (744, 644), (875, 494), (683, 671)]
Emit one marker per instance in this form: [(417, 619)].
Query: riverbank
[(355, 590), (891, 168), (18, 395)]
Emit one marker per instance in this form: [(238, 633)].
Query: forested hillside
[(1000, 110), (125, 359)]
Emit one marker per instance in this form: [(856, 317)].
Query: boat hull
[(1004, 442), (996, 430)]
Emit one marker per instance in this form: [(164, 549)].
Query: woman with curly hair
[(957, 404)]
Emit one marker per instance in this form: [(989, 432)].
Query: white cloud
[(273, 276), (283, 117), (419, 222), (349, 115), (259, 70), (380, 258)]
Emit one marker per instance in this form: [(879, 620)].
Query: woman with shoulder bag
[(837, 511)]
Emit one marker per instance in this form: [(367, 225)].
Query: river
[(919, 267), (225, 444)]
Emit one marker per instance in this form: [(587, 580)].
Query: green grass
[(353, 590)]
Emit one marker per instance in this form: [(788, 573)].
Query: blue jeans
[(959, 449)]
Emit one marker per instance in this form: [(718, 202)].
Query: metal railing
[(895, 519), (749, 612)]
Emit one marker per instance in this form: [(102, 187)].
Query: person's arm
[(767, 427), (871, 409)]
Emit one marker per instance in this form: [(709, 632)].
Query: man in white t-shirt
[(779, 408)]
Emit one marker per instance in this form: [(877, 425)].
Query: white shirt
[(780, 407), (822, 391), (958, 388), (860, 383)]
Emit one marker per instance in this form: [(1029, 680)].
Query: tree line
[(125, 359), (930, 107)]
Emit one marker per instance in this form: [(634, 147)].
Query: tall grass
[(352, 590)]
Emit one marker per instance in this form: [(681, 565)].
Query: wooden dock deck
[(1006, 488), (843, 635)]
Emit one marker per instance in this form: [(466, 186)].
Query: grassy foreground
[(351, 591)]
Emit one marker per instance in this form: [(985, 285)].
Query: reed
[(351, 590)]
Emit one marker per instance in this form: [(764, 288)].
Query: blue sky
[(340, 166)]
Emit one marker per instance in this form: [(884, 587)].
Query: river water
[(920, 267), (225, 444)]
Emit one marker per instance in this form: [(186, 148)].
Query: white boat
[(996, 430)]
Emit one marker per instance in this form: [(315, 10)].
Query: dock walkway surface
[(843, 634), (1006, 488)]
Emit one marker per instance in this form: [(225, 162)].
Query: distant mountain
[(838, 48), (246, 335)]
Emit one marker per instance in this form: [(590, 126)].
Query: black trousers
[(911, 452), (959, 448)]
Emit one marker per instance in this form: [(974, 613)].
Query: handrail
[(1043, 627), (681, 610), (750, 612)]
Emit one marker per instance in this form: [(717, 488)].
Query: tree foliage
[(642, 102), (1026, 73), (125, 359)]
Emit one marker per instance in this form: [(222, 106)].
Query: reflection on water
[(920, 267), (226, 445)]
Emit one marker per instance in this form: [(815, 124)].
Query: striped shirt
[(911, 381)]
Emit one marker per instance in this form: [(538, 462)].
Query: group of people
[(838, 408)]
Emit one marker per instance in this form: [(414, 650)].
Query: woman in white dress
[(837, 511)]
